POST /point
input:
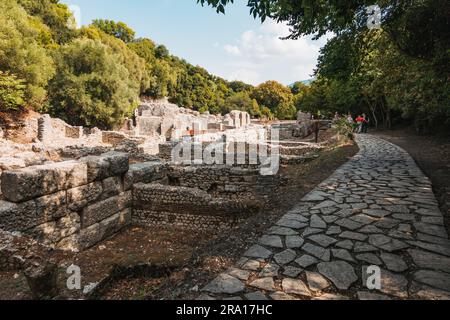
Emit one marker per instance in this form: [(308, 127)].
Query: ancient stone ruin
[(74, 187)]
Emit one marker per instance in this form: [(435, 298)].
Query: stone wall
[(53, 130), (73, 205), (113, 138), (191, 208), (161, 118), (78, 203), (69, 205), (226, 182)]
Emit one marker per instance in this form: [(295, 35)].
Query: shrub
[(344, 129), (91, 88), (11, 92)]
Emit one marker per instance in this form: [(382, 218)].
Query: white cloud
[(233, 50), (267, 57)]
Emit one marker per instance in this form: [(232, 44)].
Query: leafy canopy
[(116, 29), (11, 92), (90, 87)]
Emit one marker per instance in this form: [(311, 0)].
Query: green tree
[(266, 113), (242, 101), (136, 66), (298, 87), (11, 92), (161, 52), (416, 32), (22, 53), (144, 48), (274, 95), (118, 30), (286, 111), (419, 28), (239, 86), (53, 14), (90, 87)]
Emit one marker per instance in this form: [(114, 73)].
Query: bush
[(11, 92), (22, 53), (91, 88), (343, 129)]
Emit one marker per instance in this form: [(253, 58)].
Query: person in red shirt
[(360, 120)]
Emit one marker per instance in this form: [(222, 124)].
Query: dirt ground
[(193, 258), (432, 154)]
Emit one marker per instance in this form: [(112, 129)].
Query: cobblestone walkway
[(377, 210)]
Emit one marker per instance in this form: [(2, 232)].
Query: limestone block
[(197, 127), (97, 232), (106, 208), (45, 129), (113, 224), (28, 183), (26, 215), (167, 125), (106, 165), (148, 126), (52, 206), (302, 116), (51, 233), (112, 186), (11, 163), (215, 126), (17, 217), (80, 197), (74, 132), (144, 172), (71, 243), (113, 138)]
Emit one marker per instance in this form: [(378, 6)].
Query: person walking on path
[(365, 123), (337, 117), (359, 121), (350, 119)]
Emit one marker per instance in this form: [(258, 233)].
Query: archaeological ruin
[(72, 187), (77, 193)]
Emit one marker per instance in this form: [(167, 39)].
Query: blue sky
[(233, 46)]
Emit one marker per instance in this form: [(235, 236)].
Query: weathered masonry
[(73, 205), (69, 205)]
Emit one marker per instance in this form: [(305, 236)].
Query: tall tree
[(271, 94), (116, 29), (23, 51), (90, 87)]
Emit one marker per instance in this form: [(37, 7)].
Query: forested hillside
[(94, 76)]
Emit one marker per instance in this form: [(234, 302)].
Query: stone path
[(377, 210)]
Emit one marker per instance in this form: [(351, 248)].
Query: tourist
[(365, 124), (337, 117), (359, 121), (350, 119)]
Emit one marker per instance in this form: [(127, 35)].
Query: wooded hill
[(94, 76)]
